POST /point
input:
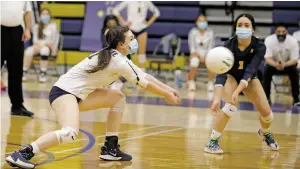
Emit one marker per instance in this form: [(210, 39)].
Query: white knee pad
[(267, 119), (29, 51), (119, 106), (45, 51), (142, 59), (66, 135), (229, 109), (194, 62)]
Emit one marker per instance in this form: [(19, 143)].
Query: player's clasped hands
[(172, 97)]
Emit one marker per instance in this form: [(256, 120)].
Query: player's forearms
[(155, 89), (218, 92), (241, 87), (271, 62), (290, 63), (157, 82), (27, 19)]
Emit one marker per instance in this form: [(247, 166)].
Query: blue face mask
[(243, 33), (202, 25), (45, 19), (133, 46)]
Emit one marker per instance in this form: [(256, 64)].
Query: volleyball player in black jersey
[(248, 53)]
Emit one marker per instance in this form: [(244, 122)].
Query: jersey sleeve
[(35, 34), (133, 74), (251, 69), (221, 78), (27, 6), (116, 11), (268, 43), (153, 9), (295, 50), (191, 41)]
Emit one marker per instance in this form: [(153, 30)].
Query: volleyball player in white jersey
[(136, 20), (201, 40), (80, 89)]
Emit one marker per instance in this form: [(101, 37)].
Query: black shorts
[(136, 34), (239, 78), (56, 92)]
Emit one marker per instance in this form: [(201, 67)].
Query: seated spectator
[(45, 43), (281, 57), (201, 40)]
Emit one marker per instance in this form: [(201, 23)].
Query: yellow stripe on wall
[(65, 10), (57, 22)]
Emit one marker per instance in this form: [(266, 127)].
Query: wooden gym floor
[(158, 136)]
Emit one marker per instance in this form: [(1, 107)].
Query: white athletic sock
[(112, 134), (43, 69), (35, 148), (215, 135)]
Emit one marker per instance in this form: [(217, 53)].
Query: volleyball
[(219, 60)]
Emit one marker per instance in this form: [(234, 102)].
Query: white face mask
[(243, 33), (133, 46)]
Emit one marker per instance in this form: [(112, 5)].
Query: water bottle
[(178, 78)]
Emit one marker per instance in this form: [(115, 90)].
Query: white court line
[(101, 136)]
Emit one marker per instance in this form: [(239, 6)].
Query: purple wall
[(91, 34)]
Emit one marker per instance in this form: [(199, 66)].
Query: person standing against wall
[(13, 35)]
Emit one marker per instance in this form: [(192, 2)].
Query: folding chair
[(165, 53)]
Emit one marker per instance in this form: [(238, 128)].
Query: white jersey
[(201, 43), (51, 35), (80, 83), (284, 51), (137, 13)]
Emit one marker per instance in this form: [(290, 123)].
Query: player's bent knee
[(119, 106), (194, 62), (142, 59), (66, 135), (44, 51), (268, 119), (29, 51), (229, 109)]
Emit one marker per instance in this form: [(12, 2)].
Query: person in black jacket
[(248, 54), (109, 21)]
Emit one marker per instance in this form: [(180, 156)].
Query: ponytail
[(104, 57)]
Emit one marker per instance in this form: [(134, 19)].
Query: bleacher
[(80, 24)]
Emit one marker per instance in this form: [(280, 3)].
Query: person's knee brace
[(119, 106), (44, 52), (29, 51), (267, 119), (229, 109), (66, 135), (142, 59), (194, 62)]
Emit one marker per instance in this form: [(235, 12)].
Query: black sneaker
[(21, 158), (111, 151), (268, 139), (22, 111)]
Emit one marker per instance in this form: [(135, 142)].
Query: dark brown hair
[(42, 25), (250, 17), (113, 37)]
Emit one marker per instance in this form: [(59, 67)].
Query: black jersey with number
[(246, 62)]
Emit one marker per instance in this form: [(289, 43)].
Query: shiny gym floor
[(158, 136)]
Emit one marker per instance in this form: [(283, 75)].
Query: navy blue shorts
[(56, 92), (136, 34)]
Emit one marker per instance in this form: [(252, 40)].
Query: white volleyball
[(219, 60)]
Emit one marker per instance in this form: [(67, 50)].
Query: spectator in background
[(281, 56), (201, 40), (297, 36), (136, 14), (45, 43), (13, 36), (109, 21)]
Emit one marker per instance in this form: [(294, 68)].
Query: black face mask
[(281, 38)]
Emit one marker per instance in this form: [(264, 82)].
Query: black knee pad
[(44, 57)]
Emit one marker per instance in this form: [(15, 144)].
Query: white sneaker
[(192, 85), (210, 86), (24, 78), (42, 77)]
